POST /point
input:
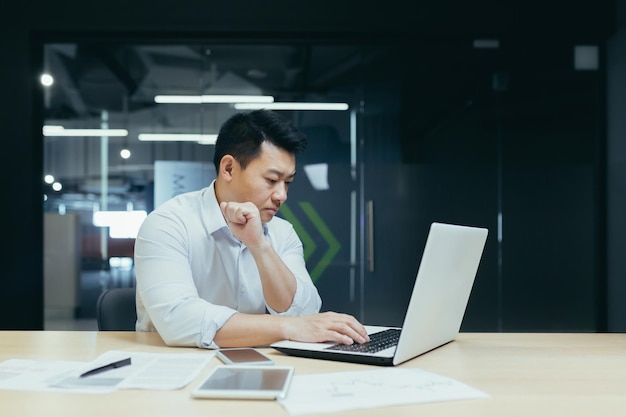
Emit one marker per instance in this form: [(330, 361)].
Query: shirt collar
[(214, 218)]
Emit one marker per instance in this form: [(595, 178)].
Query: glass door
[(429, 155)]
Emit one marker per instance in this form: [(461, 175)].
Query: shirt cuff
[(213, 324)]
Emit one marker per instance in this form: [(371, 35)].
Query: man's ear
[(227, 164)]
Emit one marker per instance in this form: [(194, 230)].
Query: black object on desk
[(113, 365)]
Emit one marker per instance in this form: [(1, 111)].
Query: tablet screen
[(261, 382)]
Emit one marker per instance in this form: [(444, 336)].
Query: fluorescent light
[(178, 99), (179, 137), (212, 98), (61, 131), (292, 106), (236, 99)]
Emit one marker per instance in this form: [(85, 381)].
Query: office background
[(552, 139)]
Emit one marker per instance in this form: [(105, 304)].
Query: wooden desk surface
[(526, 375)]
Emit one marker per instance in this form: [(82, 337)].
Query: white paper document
[(332, 392), (154, 371)]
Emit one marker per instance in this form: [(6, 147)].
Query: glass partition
[(128, 126), (483, 132)]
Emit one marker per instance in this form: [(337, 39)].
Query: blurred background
[(504, 116)]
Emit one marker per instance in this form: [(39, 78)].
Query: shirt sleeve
[(306, 299), (168, 298)]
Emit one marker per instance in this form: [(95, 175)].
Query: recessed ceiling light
[(46, 80)]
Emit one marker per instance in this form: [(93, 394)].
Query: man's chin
[(267, 217)]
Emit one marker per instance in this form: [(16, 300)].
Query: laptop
[(438, 302)]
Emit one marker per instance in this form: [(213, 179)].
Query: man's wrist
[(262, 246), (284, 328)]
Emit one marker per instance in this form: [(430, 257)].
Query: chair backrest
[(116, 309)]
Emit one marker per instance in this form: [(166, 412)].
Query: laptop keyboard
[(378, 341)]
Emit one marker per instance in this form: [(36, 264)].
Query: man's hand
[(245, 330), (244, 221), (326, 327)]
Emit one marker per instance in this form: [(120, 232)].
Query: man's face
[(265, 180)]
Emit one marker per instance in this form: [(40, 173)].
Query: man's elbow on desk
[(189, 333), (249, 330)]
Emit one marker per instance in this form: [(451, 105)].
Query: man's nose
[(280, 193)]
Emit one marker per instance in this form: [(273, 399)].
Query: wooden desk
[(525, 374)]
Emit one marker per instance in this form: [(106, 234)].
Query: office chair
[(116, 309)]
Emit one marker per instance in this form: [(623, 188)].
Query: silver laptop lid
[(440, 294), (442, 288)]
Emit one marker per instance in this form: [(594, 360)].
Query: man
[(211, 264)]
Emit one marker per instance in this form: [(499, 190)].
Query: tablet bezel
[(240, 393)]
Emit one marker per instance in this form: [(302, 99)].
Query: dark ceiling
[(440, 67), (93, 76)]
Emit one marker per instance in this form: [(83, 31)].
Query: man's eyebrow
[(280, 173)]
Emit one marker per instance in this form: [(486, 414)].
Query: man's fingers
[(349, 329), (327, 327), (235, 213), (340, 338), (353, 328)]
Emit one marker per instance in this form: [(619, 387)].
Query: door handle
[(370, 235)]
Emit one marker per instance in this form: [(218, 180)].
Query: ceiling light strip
[(212, 98), (178, 137), (293, 106), (61, 131)]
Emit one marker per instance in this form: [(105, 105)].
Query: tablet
[(246, 382), (243, 356)]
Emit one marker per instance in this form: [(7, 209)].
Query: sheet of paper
[(154, 371), (332, 392), (166, 372), (35, 375)]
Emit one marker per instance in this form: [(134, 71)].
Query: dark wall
[(28, 24), (616, 175)]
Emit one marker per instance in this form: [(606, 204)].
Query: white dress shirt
[(193, 274)]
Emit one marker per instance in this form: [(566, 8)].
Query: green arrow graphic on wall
[(309, 244)]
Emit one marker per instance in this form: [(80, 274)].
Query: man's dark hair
[(242, 135)]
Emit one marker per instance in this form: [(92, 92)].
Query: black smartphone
[(243, 356)]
